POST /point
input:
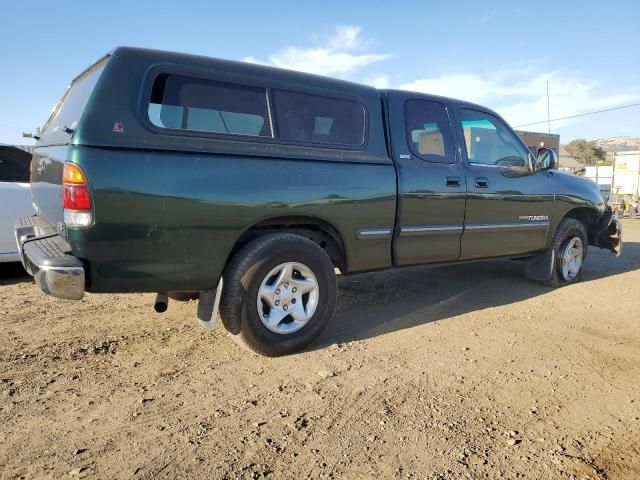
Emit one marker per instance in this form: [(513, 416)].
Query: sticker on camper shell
[(118, 127)]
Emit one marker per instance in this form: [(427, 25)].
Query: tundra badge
[(534, 218)]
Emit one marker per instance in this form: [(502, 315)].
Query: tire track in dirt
[(571, 353)]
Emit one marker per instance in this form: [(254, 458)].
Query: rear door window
[(311, 118), (185, 103), (429, 131)]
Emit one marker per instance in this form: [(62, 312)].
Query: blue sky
[(499, 54)]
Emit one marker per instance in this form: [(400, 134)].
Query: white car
[(15, 197)]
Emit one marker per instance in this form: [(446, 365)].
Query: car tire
[(279, 294), (569, 244)]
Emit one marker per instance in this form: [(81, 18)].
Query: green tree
[(587, 153)]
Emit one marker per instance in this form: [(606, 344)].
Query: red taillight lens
[(75, 193), (76, 197)]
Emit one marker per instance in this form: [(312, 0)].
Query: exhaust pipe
[(161, 303)]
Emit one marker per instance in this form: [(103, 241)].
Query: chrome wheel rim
[(288, 297), (572, 254)]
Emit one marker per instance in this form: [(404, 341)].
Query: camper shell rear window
[(69, 109)]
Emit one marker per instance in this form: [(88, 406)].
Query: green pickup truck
[(248, 187)]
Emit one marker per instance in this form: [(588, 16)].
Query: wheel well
[(316, 230), (587, 216)]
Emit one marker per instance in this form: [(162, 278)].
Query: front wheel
[(279, 294), (570, 245)]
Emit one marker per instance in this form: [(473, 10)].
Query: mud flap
[(208, 303), (540, 267)]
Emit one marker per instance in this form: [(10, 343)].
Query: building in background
[(567, 162), (626, 173), (603, 176), (620, 180), (536, 140)]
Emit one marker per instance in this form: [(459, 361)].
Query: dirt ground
[(448, 372)]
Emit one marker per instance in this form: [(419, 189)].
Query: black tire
[(242, 280), (568, 229)]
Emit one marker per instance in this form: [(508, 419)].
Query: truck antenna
[(548, 110)]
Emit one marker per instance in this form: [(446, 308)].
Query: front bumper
[(46, 256), (610, 237)]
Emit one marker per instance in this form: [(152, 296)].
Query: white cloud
[(466, 86), (483, 18), (378, 81), (493, 16), (334, 58), (520, 96), (517, 92), (346, 37)]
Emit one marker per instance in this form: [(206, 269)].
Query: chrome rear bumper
[(46, 256)]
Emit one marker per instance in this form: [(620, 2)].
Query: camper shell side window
[(194, 105)]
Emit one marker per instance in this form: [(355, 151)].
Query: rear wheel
[(570, 245), (279, 294)]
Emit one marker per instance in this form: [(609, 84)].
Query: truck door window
[(429, 131), (317, 119), (185, 103), (14, 164), (490, 142)]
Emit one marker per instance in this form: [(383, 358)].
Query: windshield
[(69, 109)]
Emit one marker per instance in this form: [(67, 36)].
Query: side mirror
[(547, 159)]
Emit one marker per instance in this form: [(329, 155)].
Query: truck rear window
[(69, 109)]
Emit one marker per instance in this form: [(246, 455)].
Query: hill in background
[(618, 144), (584, 152)]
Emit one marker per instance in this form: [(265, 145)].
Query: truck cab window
[(429, 131), (185, 103), (490, 142)]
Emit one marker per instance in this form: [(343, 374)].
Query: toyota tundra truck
[(248, 188)]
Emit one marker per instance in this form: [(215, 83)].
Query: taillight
[(76, 198)]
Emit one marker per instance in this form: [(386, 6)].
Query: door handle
[(482, 182), (453, 181)]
